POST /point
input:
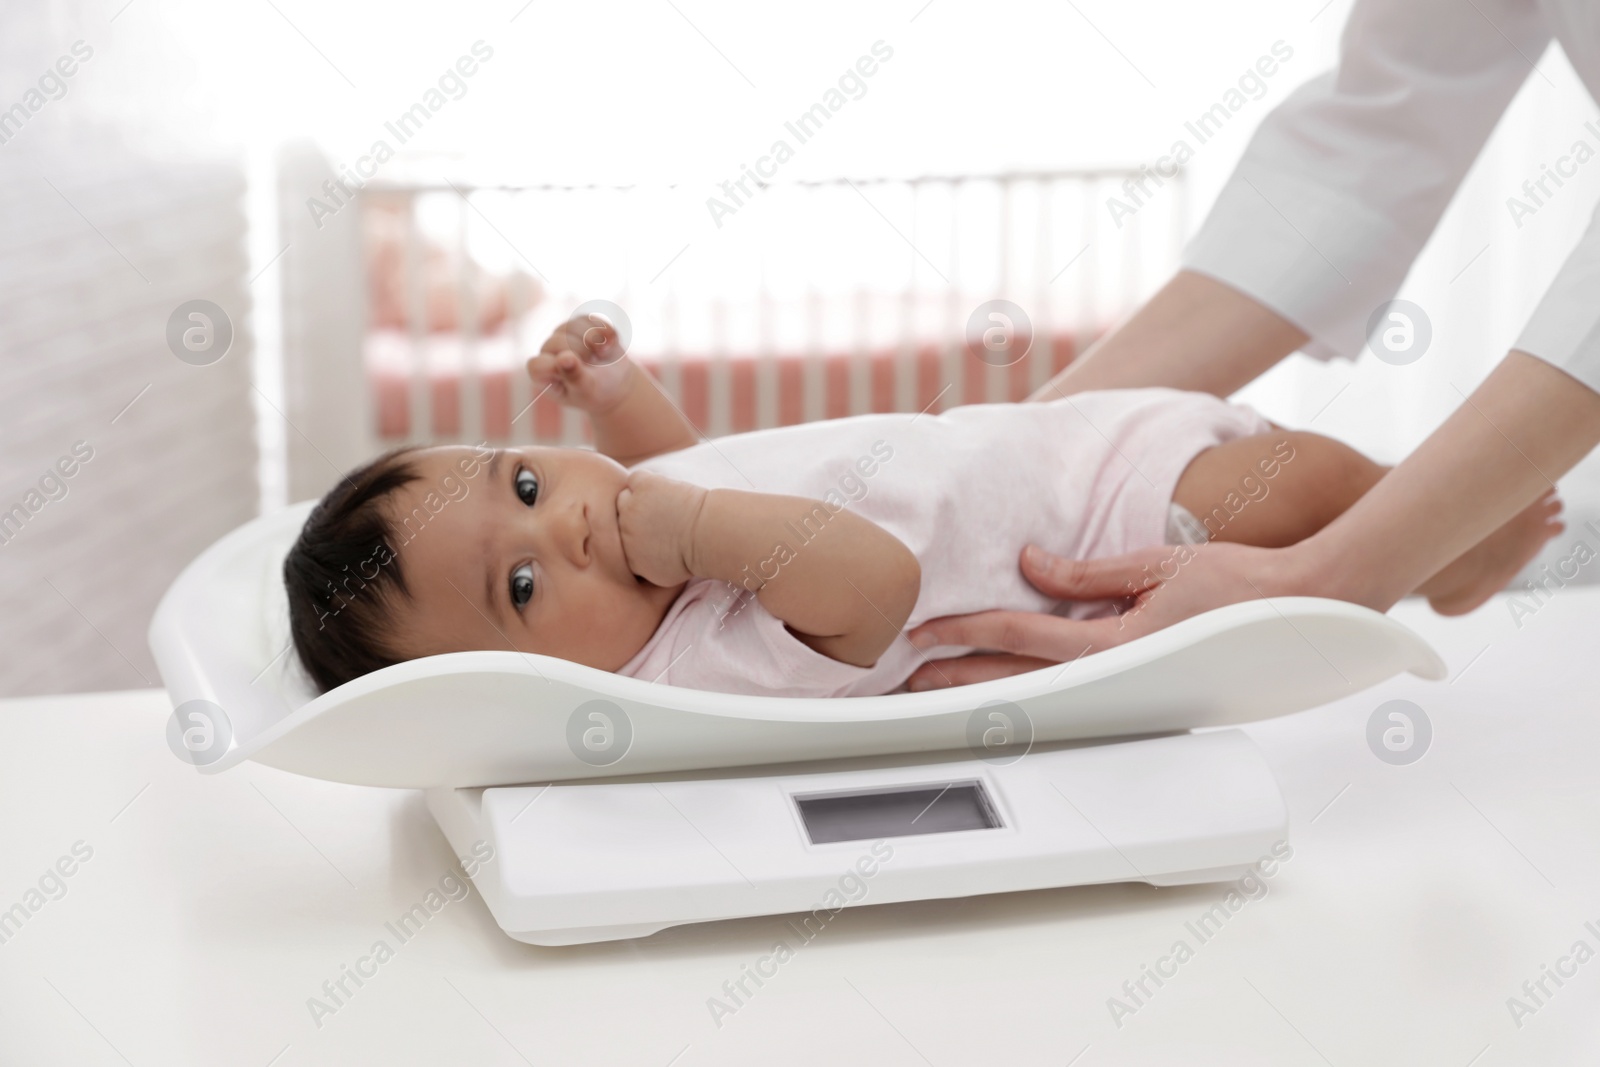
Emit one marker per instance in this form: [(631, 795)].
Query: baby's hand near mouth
[(584, 364), (656, 516)]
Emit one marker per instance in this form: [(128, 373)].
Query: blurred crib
[(793, 302)]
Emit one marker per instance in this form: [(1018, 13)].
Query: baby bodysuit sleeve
[(722, 639)]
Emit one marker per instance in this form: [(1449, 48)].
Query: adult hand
[(1159, 585)]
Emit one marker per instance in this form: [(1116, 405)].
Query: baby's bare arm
[(584, 365), (645, 423), (842, 584)]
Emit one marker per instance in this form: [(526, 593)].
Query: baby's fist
[(584, 364), (656, 515)]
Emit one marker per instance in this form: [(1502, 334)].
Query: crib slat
[(1088, 307), (419, 427), (1041, 360), (997, 378), (802, 323), (719, 390), (860, 368), (815, 385), (955, 347), (471, 393), (521, 385), (671, 363), (905, 367), (766, 354)]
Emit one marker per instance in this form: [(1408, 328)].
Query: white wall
[(101, 238)]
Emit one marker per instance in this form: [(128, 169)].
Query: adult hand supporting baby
[(1164, 585), (1257, 286), (1526, 425)]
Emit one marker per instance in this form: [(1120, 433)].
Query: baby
[(790, 561)]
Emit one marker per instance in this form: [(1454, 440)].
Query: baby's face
[(528, 556)]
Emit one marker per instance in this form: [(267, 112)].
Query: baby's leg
[(1274, 489), (1245, 490)]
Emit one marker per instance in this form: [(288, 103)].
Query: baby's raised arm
[(846, 591), (584, 366)]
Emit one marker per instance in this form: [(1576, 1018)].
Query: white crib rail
[(811, 299)]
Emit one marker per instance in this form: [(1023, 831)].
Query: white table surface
[(1417, 901)]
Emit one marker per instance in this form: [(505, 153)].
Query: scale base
[(609, 859)]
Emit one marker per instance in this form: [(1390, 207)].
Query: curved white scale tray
[(497, 718)]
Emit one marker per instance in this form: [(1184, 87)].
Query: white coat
[(1344, 182)]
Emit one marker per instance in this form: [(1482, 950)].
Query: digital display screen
[(939, 808)]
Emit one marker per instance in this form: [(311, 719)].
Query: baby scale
[(616, 807)]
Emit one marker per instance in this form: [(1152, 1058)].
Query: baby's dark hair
[(342, 574)]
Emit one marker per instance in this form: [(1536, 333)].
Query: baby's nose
[(573, 531)]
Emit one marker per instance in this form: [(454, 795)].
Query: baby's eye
[(521, 585), (527, 487)]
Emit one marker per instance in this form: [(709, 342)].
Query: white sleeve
[(1565, 327), (1345, 180)]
